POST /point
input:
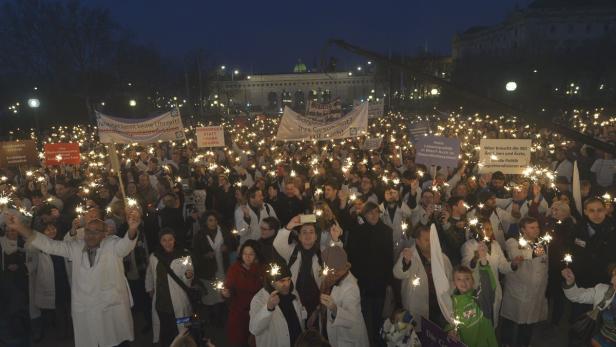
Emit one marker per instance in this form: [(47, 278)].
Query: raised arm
[(125, 245), (45, 244)]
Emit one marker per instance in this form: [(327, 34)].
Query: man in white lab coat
[(276, 314), (100, 296)]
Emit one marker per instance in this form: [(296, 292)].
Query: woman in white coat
[(524, 300), (497, 261), (51, 291), (602, 298), (169, 300), (345, 323)]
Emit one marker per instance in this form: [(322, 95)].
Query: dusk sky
[(269, 36)]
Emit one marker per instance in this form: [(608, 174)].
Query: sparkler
[(130, 202), (219, 285), (416, 281), (274, 270), (326, 270), (568, 259)]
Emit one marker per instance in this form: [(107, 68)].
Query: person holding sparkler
[(341, 300), (276, 314), (298, 246), (100, 295), (603, 302), (169, 299), (414, 268), (592, 246), (482, 252), (472, 306), (524, 301)]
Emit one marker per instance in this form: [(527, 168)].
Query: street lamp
[(511, 86), (132, 103), (34, 104), (235, 73), (434, 91)]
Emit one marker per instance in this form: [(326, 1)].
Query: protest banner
[(372, 143), (418, 129), (166, 127), (376, 108), (212, 136), (433, 336), (437, 150), (16, 153), (506, 155), (324, 112), (295, 127), (62, 153)]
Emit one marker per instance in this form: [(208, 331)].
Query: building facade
[(269, 93), (545, 27)]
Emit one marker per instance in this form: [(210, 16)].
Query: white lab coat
[(348, 328), (592, 296), (415, 298), (270, 328), (500, 220), (100, 296), (498, 263), (43, 281), (402, 214), (179, 299), (285, 250), (524, 300), (252, 231)]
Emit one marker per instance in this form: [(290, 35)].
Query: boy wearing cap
[(276, 314)]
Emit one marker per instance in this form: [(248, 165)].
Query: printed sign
[(295, 127), (166, 127), (418, 129), (505, 155), (372, 143), (62, 153), (213, 136), (16, 153), (437, 150), (433, 336)]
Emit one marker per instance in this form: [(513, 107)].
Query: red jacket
[(243, 285)]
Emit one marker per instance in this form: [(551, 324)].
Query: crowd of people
[(311, 243)]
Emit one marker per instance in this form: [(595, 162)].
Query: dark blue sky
[(269, 36)]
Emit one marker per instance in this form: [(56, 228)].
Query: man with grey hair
[(100, 299)]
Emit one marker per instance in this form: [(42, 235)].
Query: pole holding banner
[(115, 165)]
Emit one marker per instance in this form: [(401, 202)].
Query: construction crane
[(542, 120)]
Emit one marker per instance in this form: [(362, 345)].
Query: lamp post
[(34, 104)]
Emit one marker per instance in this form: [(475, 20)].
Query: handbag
[(586, 326), (194, 294)]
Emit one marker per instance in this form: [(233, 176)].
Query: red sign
[(62, 153)]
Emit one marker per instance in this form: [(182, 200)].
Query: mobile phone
[(307, 218)]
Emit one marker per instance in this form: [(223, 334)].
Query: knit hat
[(335, 258)]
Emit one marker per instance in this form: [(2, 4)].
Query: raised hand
[(273, 300), (568, 275)]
